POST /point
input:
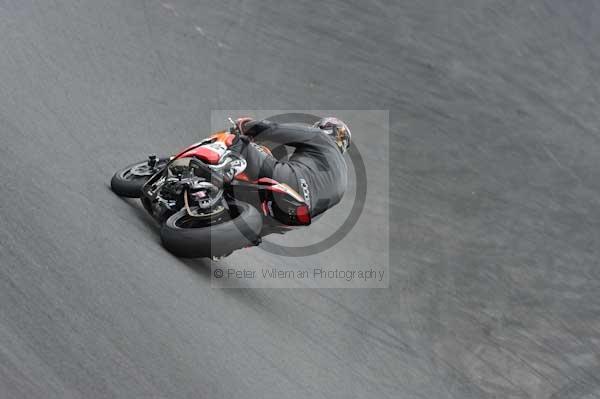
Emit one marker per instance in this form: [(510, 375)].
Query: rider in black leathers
[(317, 169)]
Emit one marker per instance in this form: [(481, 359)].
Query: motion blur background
[(494, 181)]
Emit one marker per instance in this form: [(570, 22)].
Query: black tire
[(126, 185), (242, 230)]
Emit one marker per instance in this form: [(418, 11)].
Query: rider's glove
[(240, 122)]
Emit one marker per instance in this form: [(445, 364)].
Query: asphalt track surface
[(494, 183)]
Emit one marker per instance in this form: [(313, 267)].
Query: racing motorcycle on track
[(206, 205)]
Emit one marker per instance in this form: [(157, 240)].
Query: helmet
[(337, 130)]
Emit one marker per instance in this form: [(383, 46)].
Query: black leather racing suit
[(316, 169)]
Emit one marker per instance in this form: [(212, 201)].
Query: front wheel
[(128, 182), (188, 237)]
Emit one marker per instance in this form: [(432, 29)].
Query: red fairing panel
[(210, 152), (206, 154)]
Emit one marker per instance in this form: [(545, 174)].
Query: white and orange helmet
[(337, 130)]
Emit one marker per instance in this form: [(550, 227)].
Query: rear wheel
[(192, 237), (128, 182)]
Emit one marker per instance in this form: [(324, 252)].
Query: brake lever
[(235, 129)]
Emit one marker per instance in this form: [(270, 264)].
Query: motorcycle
[(205, 203)]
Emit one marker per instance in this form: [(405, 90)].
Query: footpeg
[(152, 160)]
